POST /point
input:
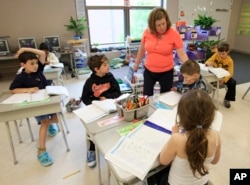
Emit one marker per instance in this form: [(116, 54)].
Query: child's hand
[(32, 89), (175, 129), (20, 51), (173, 89), (209, 63), (102, 98)]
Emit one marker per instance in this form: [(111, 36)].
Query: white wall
[(191, 9)]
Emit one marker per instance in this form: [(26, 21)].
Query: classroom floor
[(234, 133)]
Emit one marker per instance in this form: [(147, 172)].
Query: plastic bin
[(130, 115)]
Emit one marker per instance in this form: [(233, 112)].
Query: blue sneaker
[(52, 130), (45, 159), (91, 159)]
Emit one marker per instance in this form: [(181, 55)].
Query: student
[(192, 79), (30, 80), (51, 58), (193, 146), (99, 86), (223, 60), (158, 42)]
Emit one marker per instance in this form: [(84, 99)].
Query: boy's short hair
[(223, 47), (190, 67), (96, 61), (25, 56)]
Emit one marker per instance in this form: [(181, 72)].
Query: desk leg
[(65, 123), (63, 133), (98, 164), (31, 134), (11, 143), (18, 132), (217, 93)]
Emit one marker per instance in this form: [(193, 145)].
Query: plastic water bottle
[(157, 92)]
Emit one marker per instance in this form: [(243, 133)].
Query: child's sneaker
[(45, 159), (52, 130), (91, 159)]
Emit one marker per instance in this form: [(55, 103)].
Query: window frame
[(126, 10)]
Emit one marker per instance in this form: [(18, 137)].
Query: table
[(10, 112), (210, 77), (105, 141), (95, 133), (52, 73)]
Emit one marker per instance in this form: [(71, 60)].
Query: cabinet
[(78, 57)]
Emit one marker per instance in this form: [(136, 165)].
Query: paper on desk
[(219, 72), (171, 98), (26, 97), (164, 118), (138, 151)]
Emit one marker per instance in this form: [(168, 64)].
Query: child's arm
[(169, 151), (41, 54), (25, 90), (217, 153), (210, 61)]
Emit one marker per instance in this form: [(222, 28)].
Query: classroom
[(41, 20)]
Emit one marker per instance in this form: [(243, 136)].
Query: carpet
[(241, 67)]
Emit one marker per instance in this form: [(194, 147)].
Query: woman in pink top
[(158, 42), (193, 145)]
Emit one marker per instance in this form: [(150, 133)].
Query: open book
[(138, 151), (219, 72), (96, 110), (40, 95)]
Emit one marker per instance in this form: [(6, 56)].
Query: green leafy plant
[(209, 46), (78, 26), (204, 21)]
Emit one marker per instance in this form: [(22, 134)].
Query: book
[(165, 119), (171, 98), (138, 151), (96, 110), (219, 72), (41, 95), (57, 90)]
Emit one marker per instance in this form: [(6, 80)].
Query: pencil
[(70, 174)]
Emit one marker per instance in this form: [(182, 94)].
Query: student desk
[(53, 74), (210, 77), (104, 142), (10, 112), (93, 129)]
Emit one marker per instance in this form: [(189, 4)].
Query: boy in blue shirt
[(190, 71), (30, 80)]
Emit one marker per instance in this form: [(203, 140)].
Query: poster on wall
[(244, 23)]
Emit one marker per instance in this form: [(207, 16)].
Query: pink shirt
[(159, 51)]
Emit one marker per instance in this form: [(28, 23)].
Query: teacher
[(158, 43)]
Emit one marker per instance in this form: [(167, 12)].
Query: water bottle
[(157, 92)]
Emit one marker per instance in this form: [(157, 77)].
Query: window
[(111, 21)]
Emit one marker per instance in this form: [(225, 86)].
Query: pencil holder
[(138, 113)]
